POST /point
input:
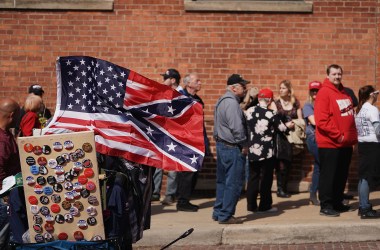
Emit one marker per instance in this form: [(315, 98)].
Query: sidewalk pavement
[(296, 222)]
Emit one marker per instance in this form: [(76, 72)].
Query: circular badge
[(88, 172), (76, 194), (48, 190), (63, 236), (41, 161), (51, 180), (43, 170), (49, 227), (60, 178), (77, 166), (66, 205), (92, 200), (30, 180), (90, 186), (38, 189), (78, 205), (55, 208), (87, 163), (34, 169), (37, 228), (91, 221), (74, 173), (85, 193), (87, 147), (28, 147), (49, 218), (77, 186), (32, 200), (57, 146), (56, 198), (46, 149), (66, 156), (37, 219), (78, 235), (41, 180), (91, 211), (69, 196), (59, 170), (49, 237), (60, 160), (69, 218), (58, 187), (82, 224), (37, 150), (74, 211), (52, 163), (39, 238), (80, 153), (73, 157), (30, 160), (96, 238), (59, 219), (82, 179), (69, 145), (44, 199), (68, 176), (34, 209), (68, 186), (44, 210)]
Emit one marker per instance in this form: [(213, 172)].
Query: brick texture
[(150, 36)]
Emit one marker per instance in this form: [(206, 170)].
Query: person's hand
[(244, 150), (290, 125)]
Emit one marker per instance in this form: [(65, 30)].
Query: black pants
[(260, 180), (185, 185), (334, 168)]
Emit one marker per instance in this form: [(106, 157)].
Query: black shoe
[(155, 197), (369, 214), (282, 194), (343, 208), (187, 207), (329, 212), (348, 197)]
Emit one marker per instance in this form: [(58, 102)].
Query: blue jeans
[(4, 225), (229, 180), (363, 191), (313, 149), (171, 185)]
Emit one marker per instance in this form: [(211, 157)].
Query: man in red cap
[(262, 125)]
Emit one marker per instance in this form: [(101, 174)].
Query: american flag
[(132, 116)]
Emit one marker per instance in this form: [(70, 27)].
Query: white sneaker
[(271, 210)]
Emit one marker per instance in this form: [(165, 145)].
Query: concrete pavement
[(296, 222)]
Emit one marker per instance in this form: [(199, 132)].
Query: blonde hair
[(33, 103), (288, 85)]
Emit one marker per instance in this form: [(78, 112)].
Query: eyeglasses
[(375, 92)]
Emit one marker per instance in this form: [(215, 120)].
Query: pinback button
[(63, 236), (68, 176), (60, 160), (74, 211), (68, 145), (48, 236), (37, 150), (85, 193), (76, 194), (38, 189), (49, 227), (37, 228), (37, 219), (68, 186), (77, 186), (46, 149), (69, 218), (34, 209), (92, 200), (66, 205), (91, 221), (44, 199), (91, 211), (30, 180), (55, 208), (80, 153), (59, 219), (96, 238), (56, 198), (42, 161), (69, 196), (52, 163), (48, 190), (74, 173), (90, 186), (88, 172), (77, 166), (86, 163), (57, 146), (87, 147), (58, 187), (66, 156), (34, 169), (82, 224), (78, 205), (49, 218), (39, 238), (28, 147), (41, 180), (44, 210), (30, 160), (43, 170), (60, 178), (78, 235), (32, 200), (82, 179), (59, 170), (73, 157), (51, 180)]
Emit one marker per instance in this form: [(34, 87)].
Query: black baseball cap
[(36, 89), (172, 73), (235, 78)]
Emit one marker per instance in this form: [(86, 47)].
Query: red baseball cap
[(315, 85), (265, 93)]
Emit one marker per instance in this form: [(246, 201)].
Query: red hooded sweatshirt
[(334, 117)]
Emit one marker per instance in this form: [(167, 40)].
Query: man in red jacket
[(335, 135)]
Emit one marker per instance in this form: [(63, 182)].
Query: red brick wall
[(152, 36)]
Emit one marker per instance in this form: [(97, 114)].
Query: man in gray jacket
[(230, 135)]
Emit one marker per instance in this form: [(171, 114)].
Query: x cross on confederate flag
[(132, 116)]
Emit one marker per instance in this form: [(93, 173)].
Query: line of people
[(333, 127)]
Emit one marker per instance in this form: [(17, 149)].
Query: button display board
[(61, 183)]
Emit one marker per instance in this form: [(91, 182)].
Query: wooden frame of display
[(78, 140)]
